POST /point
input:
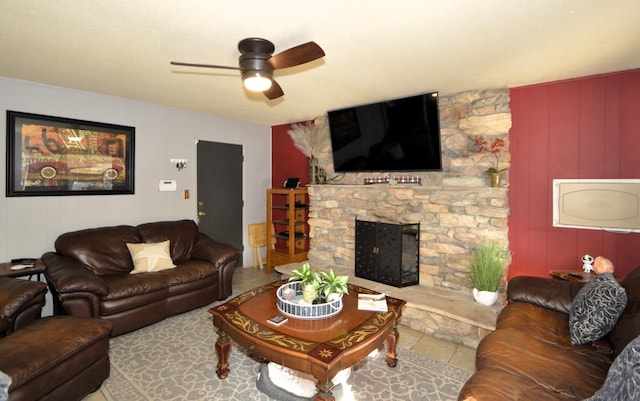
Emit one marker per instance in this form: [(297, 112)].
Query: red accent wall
[(286, 160), (580, 128)]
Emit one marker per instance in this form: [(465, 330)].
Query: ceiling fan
[(257, 63)]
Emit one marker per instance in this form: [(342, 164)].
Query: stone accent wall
[(456, 208)]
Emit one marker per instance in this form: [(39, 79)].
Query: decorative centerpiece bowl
[(297, 308)]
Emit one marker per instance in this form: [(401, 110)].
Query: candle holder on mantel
[(403, 179)]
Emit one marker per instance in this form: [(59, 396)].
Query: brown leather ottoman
[(56, 358)]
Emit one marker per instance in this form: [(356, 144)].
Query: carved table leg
[(223, 349), (324, 391), (392, 342)]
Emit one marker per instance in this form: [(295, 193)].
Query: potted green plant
[(332, 285), (319, 286), (309, 281), (488, 262)]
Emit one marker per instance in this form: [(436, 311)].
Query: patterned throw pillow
[(595, 309), (623, 379), (150, 257)]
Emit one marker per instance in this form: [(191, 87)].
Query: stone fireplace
[(456, 208)]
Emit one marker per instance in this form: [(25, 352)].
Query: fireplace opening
[(388, 253)]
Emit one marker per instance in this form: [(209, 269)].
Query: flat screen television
[(392, 135)]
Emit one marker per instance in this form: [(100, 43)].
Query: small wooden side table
[(37, 269), (572, 275)]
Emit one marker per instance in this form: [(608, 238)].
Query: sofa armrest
[(549, 293), (224, 257), (68, 275), (21, 303), (214, 252)]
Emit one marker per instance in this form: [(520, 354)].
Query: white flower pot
[(486, 298), (333, 296)]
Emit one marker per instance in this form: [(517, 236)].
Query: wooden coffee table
[(320, 347)]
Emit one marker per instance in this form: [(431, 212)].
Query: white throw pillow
[(150, 257)]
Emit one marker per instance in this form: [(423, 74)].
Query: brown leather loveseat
[(58, 358), (530, 355), (89, 274)]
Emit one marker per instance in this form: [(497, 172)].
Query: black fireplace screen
[(388, 252)]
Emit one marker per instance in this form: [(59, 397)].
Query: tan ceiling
[(375, 49)]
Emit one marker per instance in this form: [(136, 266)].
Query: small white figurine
[(587, 263)]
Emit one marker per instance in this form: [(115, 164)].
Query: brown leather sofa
[(59, 358), (89, 274), (530, 355)]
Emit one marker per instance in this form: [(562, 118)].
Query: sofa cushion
[(189, 272), (498, 384), (123, 286), (623, 379), (150, 257), (596, 309), (525, 317), (560, 368), (131, 291), (183, 235), (103, 250)]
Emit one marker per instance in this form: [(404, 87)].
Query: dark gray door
[(220, 192)]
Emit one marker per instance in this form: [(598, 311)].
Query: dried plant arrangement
[(310, 139)]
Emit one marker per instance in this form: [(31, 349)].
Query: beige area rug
[(175, 360)]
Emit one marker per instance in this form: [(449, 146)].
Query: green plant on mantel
[(488, 262)]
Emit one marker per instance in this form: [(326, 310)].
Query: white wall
[(30, 225)]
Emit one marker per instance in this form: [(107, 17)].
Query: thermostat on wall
[(167, 185)]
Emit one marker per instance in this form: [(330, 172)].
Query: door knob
[(201, 214)]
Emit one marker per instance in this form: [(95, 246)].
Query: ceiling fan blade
[(297, 55), (204, 65), (274, 92)]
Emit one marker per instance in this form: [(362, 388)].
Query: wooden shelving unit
[(287, 210)]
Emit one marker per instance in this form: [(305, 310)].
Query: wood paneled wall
[(286, 160), (580, 128)]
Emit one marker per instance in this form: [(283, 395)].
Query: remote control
[(20, 267)]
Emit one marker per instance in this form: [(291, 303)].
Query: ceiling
[(375, 50)]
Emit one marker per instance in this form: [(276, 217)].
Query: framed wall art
[(61, 156)]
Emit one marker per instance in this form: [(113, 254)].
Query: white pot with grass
[(488, 264), (486, 298)]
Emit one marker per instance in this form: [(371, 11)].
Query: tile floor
[(454, 354)]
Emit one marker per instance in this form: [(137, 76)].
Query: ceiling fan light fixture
[(257, 81)]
